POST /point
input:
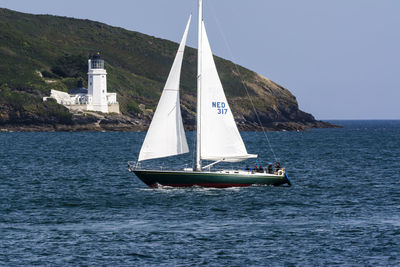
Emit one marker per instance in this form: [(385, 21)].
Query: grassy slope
[(137, 64)]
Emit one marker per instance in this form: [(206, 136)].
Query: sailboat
[(217, 136)]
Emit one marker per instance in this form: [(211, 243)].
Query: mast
[(199, 71)]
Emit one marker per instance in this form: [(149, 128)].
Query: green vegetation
[(133, 107), (70, 66), (24, 108)]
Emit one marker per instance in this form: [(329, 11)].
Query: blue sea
[(67, 199)]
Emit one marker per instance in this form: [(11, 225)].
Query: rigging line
[(244, 85)]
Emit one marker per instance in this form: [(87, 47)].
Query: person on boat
[(247, 168), (278, 166), (270, 169), (261, 169)]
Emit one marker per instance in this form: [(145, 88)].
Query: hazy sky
[(340, 58)]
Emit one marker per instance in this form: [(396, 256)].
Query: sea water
[(67, 199)]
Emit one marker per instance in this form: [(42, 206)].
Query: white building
[(96, 97)]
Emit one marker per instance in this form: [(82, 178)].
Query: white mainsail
[(220, 137), (166, 136)]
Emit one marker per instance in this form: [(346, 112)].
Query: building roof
[(78, 91)]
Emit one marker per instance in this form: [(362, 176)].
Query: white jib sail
[(220, 137), (166, 136)]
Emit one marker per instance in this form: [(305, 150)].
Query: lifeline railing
[(136, 165)]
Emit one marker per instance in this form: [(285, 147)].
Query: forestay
[(220, 137), (166, 136)]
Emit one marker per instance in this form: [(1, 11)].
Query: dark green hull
[(155, 178)]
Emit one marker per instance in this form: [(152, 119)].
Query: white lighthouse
[(97, 85)]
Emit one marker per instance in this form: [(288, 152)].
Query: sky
[(340, 58)]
